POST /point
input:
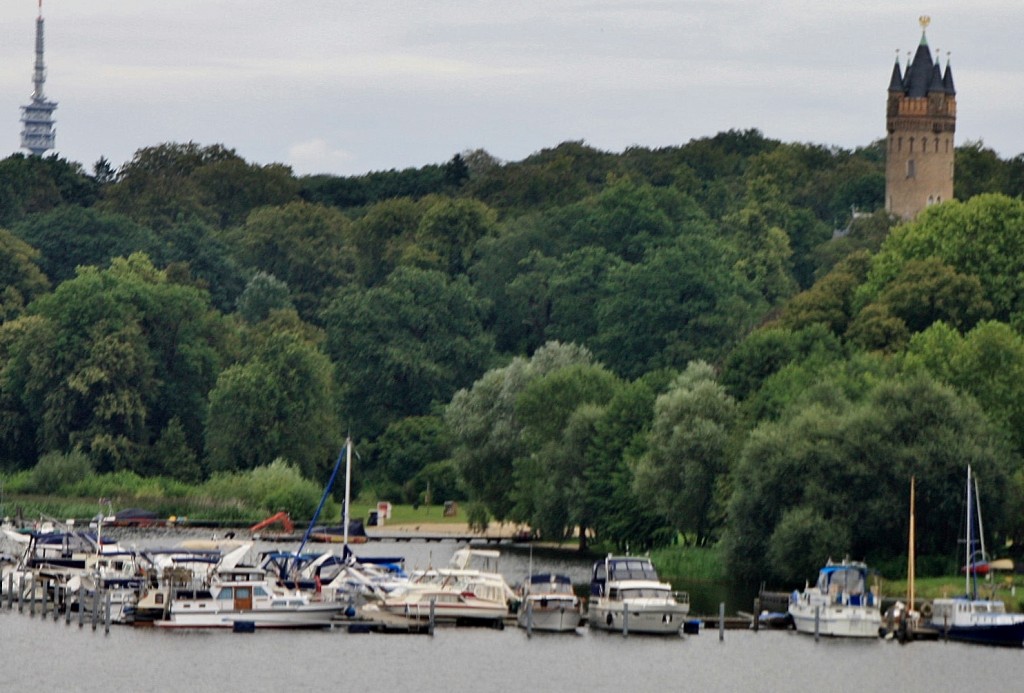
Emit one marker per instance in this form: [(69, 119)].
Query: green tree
[(108, 359), (21, 280), (848, 462), (404, 346), (306, 246), (277, 404), (688, 450), (682, 303), (557, 429), (982, 237), (69, 237), (486, 435), (262, 294)]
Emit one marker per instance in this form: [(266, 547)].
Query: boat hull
[(550, 615), (311, 616), (650, 618), (1010, 635), (846, 622)]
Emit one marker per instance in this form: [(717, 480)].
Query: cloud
[(316, 156)]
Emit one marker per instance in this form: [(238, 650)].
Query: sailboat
[(968, 618)]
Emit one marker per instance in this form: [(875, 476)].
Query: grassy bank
[(1009, 588)]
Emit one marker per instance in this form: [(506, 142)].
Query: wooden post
[(106, 628), (57, 591), (721, 621), (817, 622), (430, 627), (95, 608), (529, 618), (10, 591), (625, 620), (45, 599), (32, 602), (81, 605), (21, 593), (757, 613)]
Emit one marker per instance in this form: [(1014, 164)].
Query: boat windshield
[(631, 569), (839, 579), (641, 593)]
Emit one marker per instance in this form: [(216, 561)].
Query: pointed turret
[(896, 81), (936, 81), (947, 81)]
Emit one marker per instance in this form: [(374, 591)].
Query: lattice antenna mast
[(38, 134), (39, 76)]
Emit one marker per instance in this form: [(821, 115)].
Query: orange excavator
[(283, 517)]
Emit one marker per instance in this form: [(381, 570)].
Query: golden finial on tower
[(925, 20)]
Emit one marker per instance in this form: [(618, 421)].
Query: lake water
[(46, 655)]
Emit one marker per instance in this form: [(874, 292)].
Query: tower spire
[(38, 134)]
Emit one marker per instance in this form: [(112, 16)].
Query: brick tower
[(920, 120)]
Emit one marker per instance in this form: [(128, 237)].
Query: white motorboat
[(839, 604), (549, 604), (246, 598), (627, 595), (442, 604)]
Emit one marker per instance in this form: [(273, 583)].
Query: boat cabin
[(616, 569)]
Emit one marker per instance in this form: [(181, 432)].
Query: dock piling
[(721, 621), (817, 622)]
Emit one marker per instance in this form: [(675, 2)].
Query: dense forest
[(724, 342)]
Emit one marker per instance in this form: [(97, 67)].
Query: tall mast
[(38, 134), (970, 536), (910, 552)]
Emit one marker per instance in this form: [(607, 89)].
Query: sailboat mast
[(910, 552), (970, 536), (348, 484)]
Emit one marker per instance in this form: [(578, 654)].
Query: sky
[(345, 87)]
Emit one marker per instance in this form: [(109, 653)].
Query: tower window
[(911, 145), (911, 169)]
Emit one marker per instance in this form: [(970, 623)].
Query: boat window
[(260, 592), (225, 593)]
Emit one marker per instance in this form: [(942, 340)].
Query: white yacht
[(839, 604), (627, 595), (549, 604)]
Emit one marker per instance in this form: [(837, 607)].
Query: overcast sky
[(346, 87)]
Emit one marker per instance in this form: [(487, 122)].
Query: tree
[(848, 462), (277, 404), (486, 435), (33, 184), (108, 359), (306, 246), (405, 449), (558, 424), (404, 346), (70, 237), (982, 237), (688, 450), (262, 294), (20, 277), (448, 232), (682, 303)]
